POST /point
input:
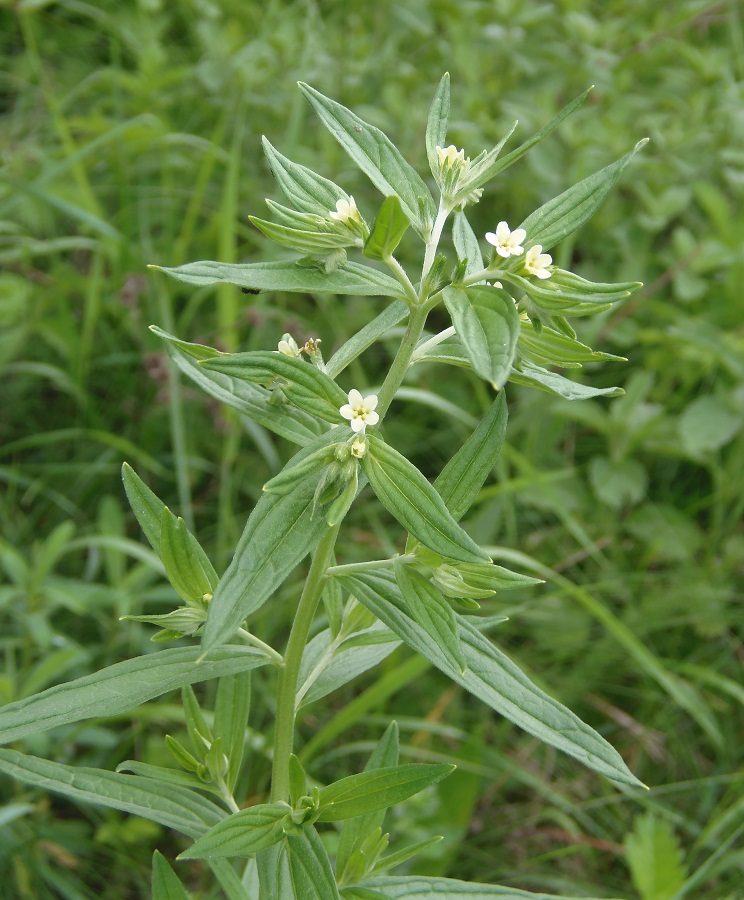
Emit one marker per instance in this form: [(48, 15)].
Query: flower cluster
[(510, 243)]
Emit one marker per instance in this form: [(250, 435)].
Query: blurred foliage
[(131, 134)]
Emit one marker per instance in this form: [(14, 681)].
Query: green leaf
[(418, 887), (367, 792), (231, 709), (654, 858), (461, 479), (167, 804), (356, 830), (252, 401), (564, 290), (279, 533), (706, 425), (298, 868), (302, 383), (489, 165), (436, 125), (151, 514), (493, 678), (491, 578), (292, 475), (567, 212), (372, 332), (199, 731), (120, 688), (242, 834), (553, 383), (389, 227), (466, 244), (415, 503), (353, 278), (183, 566), (166, 775), (406, 853), (431, 612), (305, 189), (487, 323), (377, 157), (549, 347), (618, 484), (165, 883), (310, 242)]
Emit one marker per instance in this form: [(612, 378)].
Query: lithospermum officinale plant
[(511, 313)]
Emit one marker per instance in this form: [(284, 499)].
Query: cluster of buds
[(453, 167), (508, 243), (347, 214)]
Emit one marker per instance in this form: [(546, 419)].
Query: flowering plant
[(510, 319)]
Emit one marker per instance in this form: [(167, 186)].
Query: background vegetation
[(131, 134)]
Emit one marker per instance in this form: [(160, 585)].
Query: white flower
[(535, 262), (450, 156), (360, 411), (346, 211), (507, 242), (359, 446), (288, 346)]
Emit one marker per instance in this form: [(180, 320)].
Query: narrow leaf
[(372, 332), (466, 244), (418, 887), (231, 718), (305, 189), (165, 883), (436, 125), (367, 792), (183, 566), (415, 503), (309, 242), (565, 290), (431, 612), (389, 227), (553, 348), (298, 868), (553, 383), (487, 323), (242, 834), (120, 688), (377, 157)]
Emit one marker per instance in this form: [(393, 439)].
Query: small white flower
[(346, 211), (535, 262), (450, 156), (359, 447), (288, 346), (507, 242), (360, 411)]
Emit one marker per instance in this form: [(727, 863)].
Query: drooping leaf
[(493, 678), (552, 383), (436, 125), (242, 834), (377, 157), (431, 612), (487, 323), (415, 503), (165, 883), (389, 227), (120, 688)]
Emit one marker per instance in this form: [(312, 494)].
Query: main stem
[(398, 369), (289, 674)]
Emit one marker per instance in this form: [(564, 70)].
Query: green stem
[(288, 676), (398, 369), (400, 273), (433, 242), (251, 639), (350, 568)]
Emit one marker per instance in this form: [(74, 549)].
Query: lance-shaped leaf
[(301, 382), (493, 678), (352, 278), (367, 792), (553, 348), (165, 883), (564, 290), (466, 244), (552, 383), (295, 473), (120, 688), (489, 165), (487, 323), (166, 804), (279, 533), (388, 229), (476, 580), (183, 566), (372, 332), (377, 157), (297, 868), (419, 887), (242, 834), (431, 612), (445, 347), (436, 125), (231, 709), (254, 402), (311, 242), (567, 212), (415, 503), (305, 189)]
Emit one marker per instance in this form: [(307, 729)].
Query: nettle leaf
[(553, 348), (466, 244), (377, 157), (432, 612), (243, 833), (279, 533), (372, 332), (389, 227), (487, 323), (415, 503), (166, 804), (493, 678), (252, 401), (552, 383), (305, 189), (418, 887), (567, 212), (165, 883), (367, 792), (436, 125), (564, 291), (302, 383), (353, 279), (298, 868), (119, 688)]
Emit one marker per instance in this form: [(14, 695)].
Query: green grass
[(131, 135)]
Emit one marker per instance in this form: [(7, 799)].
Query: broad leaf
[(431, 612), (553, 383), (415, 503), (436, 125), (120, 688), (567, 212), (165, 883), (372, 332), (166, 804), (279, 533), (305, 189), (493, 678), (367, 792), (242, 834), (388, 229), (487, 323), (301, 382), (353, 278), (418, 887), (377, 157)]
